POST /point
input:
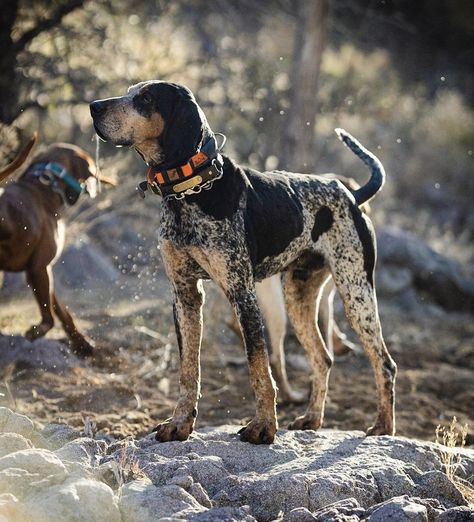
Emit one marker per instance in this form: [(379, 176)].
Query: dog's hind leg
[(39, 280), (353, 275), (80, 345), (302, 294)]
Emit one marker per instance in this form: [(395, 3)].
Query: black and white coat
[(249, 226)]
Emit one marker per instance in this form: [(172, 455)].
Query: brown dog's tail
[(19, 160), (377, 179)]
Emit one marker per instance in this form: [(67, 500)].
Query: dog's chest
[(190, 227)]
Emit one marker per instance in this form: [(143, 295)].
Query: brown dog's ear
[(20, 159), (183, 129)]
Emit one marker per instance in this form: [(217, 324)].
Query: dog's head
[(161, 120), (78, 164)]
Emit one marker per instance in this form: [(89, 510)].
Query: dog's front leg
[(39, 279), (187, 308), (262, 428), (80, 345)]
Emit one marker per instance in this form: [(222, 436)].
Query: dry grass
[(454, 440), (128, 467)]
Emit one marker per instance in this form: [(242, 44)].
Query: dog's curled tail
[(377, 179), (20, 159)]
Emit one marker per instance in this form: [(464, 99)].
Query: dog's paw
[(306, 422), (81, 346), (381, 427), (37, 331), (258, 431), (173, 429)]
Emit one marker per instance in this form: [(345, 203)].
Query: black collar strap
[(198, 173)]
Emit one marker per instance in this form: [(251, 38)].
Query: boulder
[(303, 470), (43, 353), (433, 273), (82, 265), (325, 476)]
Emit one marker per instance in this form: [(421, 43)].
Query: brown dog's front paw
[(37, 331), (173, 430), (306, 422), (81, 346), (258, 431), (381, 427)]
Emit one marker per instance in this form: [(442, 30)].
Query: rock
[(433, 273), (225, 514), (143, 502), (69, 270), (299, 515), (325, 476), (398, 509), (59, 434), (85, 453), (347, 509), (344, 473), (11, 442), (446, 492), (199, 493), (46, 354), (34, 460), (12, 283), (457, 514), (394, 280), (11, 422), (74, 500)]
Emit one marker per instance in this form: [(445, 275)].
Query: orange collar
[(201, 169), (179, 173)]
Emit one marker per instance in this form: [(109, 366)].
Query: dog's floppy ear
[(20, 159), (183, 130)]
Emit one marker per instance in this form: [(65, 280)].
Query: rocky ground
[(58, 474)]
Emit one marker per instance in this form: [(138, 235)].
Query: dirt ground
[(131, 381)]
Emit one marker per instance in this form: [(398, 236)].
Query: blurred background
[(276, 76)]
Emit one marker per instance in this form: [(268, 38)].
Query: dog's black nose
[(97, 108)]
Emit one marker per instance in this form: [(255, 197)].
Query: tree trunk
[(8, 84), (310, 40)]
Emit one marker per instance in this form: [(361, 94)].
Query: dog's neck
[(50, 199)]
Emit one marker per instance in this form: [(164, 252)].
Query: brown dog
[(31, 229)]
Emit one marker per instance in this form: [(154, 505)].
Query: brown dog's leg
[(187, 309), (302, 294), (79, 343), (262, 428), (38, 280), (272, 304), (336, 341)]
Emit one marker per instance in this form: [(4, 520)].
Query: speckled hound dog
[(237, 226)]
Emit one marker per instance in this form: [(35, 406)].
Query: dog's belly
[(274, 265)]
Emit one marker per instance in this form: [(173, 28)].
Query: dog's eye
[(146, 97)]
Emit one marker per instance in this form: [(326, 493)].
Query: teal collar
[(50, 174)]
